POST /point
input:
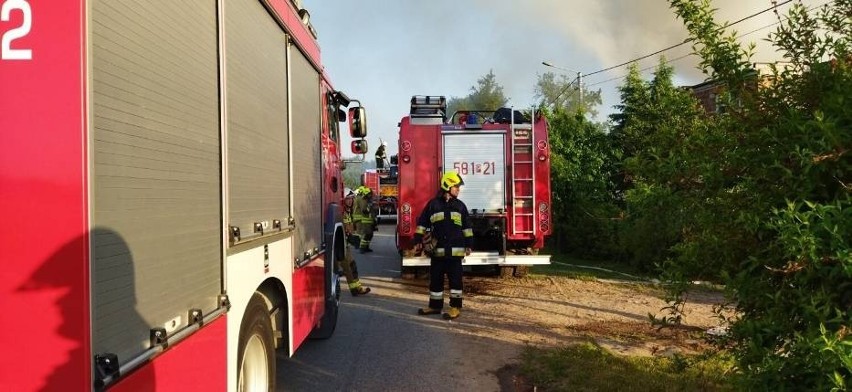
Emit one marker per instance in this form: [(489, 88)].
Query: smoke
[(383, 52), (614, 31), (605, 33)]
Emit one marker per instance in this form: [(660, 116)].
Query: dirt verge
[(553, 311)]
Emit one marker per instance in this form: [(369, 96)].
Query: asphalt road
[(381, 344)]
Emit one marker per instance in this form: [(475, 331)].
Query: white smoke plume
[(612, 32)]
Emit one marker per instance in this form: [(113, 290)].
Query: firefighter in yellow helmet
[(364, 216), (347, 265), (447, 216)]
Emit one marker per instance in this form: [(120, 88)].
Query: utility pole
[(580, 86), (579, 79)]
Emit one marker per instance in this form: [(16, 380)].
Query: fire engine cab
[(503, 158), (170, 177)]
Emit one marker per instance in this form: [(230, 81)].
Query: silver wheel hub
[(254, 372)]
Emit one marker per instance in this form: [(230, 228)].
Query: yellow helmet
[(450, 179)]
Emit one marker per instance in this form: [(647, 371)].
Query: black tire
[(328, 323), (256, 336), (521, 271), (421, 273), (408, 273), (516, 271)]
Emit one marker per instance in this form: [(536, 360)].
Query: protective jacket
[(362, 210), (380, 157), (347, 217), (450, 226)]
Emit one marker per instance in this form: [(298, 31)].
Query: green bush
[(772, 217), (584, 211)]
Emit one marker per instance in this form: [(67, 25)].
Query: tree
[(486, 95), (584, 213), (564, 93), (634, 93), (353, 171), (774, 211), (652, 132)]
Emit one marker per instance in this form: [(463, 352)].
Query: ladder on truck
[(522, 140)]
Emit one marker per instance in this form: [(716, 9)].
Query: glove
[(354, 240)]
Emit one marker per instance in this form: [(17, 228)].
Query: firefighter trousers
[(365, 231), (452, 268), (349, 268)]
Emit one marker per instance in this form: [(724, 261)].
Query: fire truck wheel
[(328, 323), (521, 271), (408, 273), (256, 348), (518, 271)]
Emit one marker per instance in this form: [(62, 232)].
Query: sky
[(382, 52)]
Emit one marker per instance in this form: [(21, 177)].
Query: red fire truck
[(370, 179), (171, 186), (383, 182), (504, 160)]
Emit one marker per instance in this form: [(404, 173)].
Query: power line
[(641, 70), (688, 40), (678, 58), (693, 54)]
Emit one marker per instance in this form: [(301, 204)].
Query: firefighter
[(348, 266), (381, 155), (447, 216), (365, 217)]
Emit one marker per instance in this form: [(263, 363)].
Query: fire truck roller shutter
[(480, 160), (307, 157), (258, 146), (156, 242)]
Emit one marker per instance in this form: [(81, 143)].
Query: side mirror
[(394, 159), (358, 123), (359, 147)]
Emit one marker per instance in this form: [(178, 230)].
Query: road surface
[(381, 344)]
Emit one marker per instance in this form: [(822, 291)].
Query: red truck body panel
[(46, 188), (44, 288)]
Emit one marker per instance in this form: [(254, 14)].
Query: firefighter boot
[(357, 289), (453, 313), (360, 291), (428, 311), (366, 250)]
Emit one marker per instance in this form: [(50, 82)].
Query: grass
[(588, 367), (562, 265)]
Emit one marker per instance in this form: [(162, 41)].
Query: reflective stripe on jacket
[(450, 224), (361, 210)]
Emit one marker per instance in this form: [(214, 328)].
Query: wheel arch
[(274, 294), (334, 231)]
